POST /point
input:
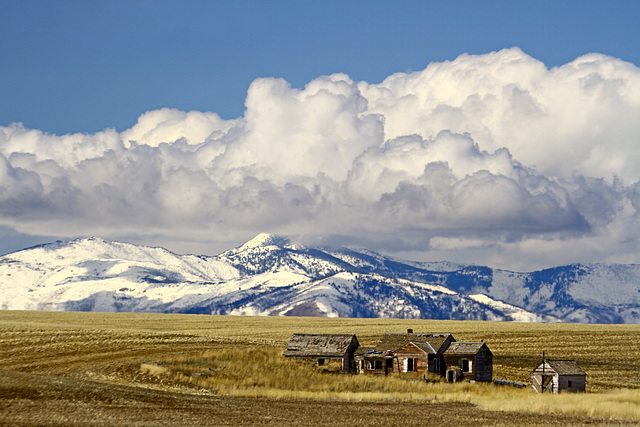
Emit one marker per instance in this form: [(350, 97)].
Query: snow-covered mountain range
[(270, 275)]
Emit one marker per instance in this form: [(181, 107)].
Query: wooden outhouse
[(554, 376), (454, 374), (474, 359), (324, 347)]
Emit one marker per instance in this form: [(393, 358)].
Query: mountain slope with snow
[(270, 275)]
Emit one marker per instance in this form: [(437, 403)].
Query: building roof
[(464, 348), (561, 367), (396, 341), (375, 355), (320, 345), (424, 346), (363, 350)]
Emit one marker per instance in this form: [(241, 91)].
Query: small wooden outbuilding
[(554, 376), (323, 347), (473, 359), (454, 374)]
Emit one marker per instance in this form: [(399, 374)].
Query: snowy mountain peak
[(266, 239), (271, 276), (99, 248)]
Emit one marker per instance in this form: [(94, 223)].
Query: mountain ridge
[(271, 275)]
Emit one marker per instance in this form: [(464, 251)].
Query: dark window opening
[(378, 364), (410, 365)]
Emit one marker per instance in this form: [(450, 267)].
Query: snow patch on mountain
[(599, 281), (515, 313)]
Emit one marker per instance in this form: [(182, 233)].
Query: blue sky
[(82, 66), (500, 133)]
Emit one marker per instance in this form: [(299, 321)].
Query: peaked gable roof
[(465, 348), (320, 345), (424, 346), (395, 341), (561, 367)]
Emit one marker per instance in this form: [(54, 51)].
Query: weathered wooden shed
[(323, 347), (405, 353), (474, 359), (554, 376)]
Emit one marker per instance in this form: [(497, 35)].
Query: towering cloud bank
[(491, 159)]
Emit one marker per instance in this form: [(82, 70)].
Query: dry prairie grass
[(87, 369), (263, 372)]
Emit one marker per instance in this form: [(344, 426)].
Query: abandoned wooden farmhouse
[(554, 376), (428, 354), (324, 347), (400, 353)]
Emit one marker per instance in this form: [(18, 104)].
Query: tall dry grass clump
[(154, 369), (266, 373)]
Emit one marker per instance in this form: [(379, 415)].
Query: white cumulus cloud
[(494, 159)]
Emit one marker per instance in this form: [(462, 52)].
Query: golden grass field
[(154, 369)]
